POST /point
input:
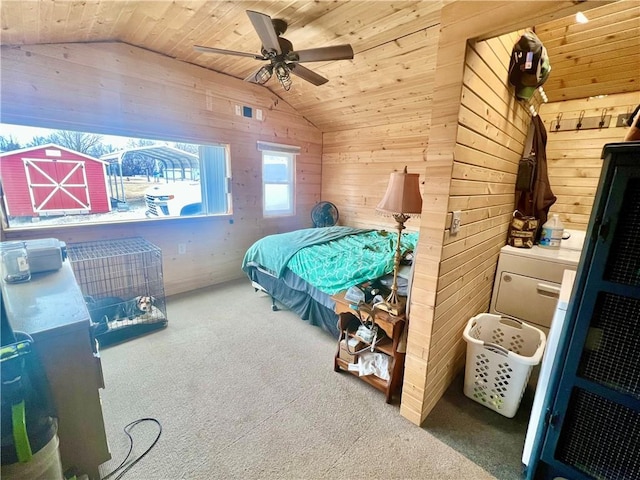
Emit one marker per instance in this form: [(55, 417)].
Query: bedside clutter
[(375, 360)]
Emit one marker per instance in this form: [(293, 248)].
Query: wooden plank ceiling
[(600, 57)]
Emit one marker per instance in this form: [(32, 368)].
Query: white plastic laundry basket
[(501, 352)]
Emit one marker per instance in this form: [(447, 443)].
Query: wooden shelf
[(385, 345), (393, 326), (377, 382)]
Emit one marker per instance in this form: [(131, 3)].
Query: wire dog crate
[(123, 286)]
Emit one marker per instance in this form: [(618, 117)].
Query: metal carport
[(172, 160)]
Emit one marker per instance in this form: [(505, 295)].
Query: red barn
[(52, 180)]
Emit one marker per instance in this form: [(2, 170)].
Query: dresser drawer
[(529, 299)]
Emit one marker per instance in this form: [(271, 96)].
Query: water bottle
[(552, 230), (15, 262)]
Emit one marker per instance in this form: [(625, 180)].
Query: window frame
[(221, 179), (289, 153)]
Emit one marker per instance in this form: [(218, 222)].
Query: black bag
[(526, 177), (526, 174), (522, 230)]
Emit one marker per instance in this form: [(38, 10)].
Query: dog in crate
[(110, 309)]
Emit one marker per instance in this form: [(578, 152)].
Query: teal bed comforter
[(331, 258)]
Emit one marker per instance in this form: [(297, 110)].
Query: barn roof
[(171, 156), (50, 146)]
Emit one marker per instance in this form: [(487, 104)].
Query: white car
[(174, 199)]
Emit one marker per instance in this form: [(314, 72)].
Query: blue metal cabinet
[(592, 426)]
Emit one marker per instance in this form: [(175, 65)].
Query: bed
[(302, 269)]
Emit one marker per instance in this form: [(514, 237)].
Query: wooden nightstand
[(393, 326)]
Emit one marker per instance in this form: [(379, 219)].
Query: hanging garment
[(539, 200)]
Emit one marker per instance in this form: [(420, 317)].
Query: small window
[(278, 174)]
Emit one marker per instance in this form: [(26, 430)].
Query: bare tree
[(78, 141), (38, 140), (101, 149), (87, 143), (8, 144), (187, 147), (140, 142)]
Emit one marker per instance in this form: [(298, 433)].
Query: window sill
[(137, 222)]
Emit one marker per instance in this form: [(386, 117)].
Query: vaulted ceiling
[(394, 42)]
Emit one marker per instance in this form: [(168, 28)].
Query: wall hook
[(579, 125), (558, 118), (602, 117)]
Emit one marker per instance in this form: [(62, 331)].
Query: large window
[(278, 179), (54, 177)]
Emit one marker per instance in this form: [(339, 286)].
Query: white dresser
[(527, 282)]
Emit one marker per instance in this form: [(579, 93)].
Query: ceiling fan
[(283, 59)]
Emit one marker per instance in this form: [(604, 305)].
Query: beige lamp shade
[(402, 195)]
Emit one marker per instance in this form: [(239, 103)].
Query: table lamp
[(401, 200)]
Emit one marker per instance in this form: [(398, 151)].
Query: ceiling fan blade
[(337, 52), (306, 74), (227, 52), (264, 28)]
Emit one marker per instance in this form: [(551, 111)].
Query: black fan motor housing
[(324, 214)]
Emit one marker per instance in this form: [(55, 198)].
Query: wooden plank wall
[(492, 128), (573, 156), (114, 88), (357, 162), (434, 344)]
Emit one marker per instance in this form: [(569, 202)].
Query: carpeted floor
[(245, 392)]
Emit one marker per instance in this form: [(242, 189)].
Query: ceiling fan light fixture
[(283, 76), (263, 75)]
